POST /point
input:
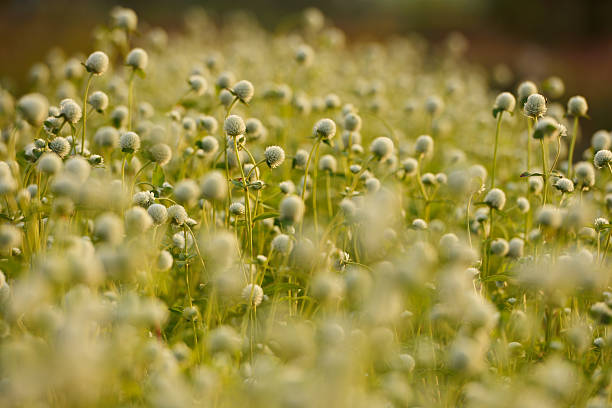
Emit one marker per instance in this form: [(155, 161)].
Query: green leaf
[(158, 176), (528, 174), (265, 215)]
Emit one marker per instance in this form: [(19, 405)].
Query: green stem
[(130, 99), (544, 168), (247, 203), (314, 189), (570, 157), (499, 119), (85, 113)]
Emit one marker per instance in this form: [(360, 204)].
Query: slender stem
[(570, 157), (247, 203), (130, 99), (314, 189), (307, 167), (328, 193), (85, 113), (499, 119), (544, 168)]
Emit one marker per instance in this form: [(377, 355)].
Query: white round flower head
[(428, 179), (424, 144), (549, 216), (107, 137), (78, 167), (291, 209), (119, 116), (304, 54), (137, 220), (410, 166), (547, 127), (60, 146), (525, 89), (143, 198), (234, 126), (564, 185), (328, 163), (223, 339), (208, 123), (275, 156), (499, 247), (237, 209), (244, 91), (252, 294), (177, 214), (164, 261), (49, 163), (97, 63), (352, 122), (585, 174), (226, 98), (214, 186), (189, 124), (332, 101), (324, 129), (419, 224), (381, 147), (287, 187), (601, 140), (108, 228), (10, 237), (129, 142), (186, 192), (98, 100), (535, 106), (434, 105), (225, 79), (124, 18), (33, 108), (523, 204), (137, 59), (535, 185), (300, 158), (496, 199), (600, 222), (254, 128), (602, 158), (209, 144), (282, 244), (372, 185), (505, 101), (70, 110), (577, 106), (158, 213), (161, 153), (198, 84), (515, 247)]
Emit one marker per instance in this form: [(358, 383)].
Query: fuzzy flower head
[(97, 63), (60, 146), (137, 59), (505, 102), (234, 125), (70, 111), (161, 153), (275, 156), (602, 158), (324, 129), (158, 213), (252, 294), (177, 214), (214, 186), (291, 209), (129, 142), (33, 108), (382, 147), (564, 185), (546, 128), (496, 199), (577, 106), (424, 144), (98, 100), (198, 84), (524, 90), (535, 106), (244, 91)]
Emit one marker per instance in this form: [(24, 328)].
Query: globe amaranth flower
[(275, 156)]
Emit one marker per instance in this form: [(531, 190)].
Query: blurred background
[(536, 39)]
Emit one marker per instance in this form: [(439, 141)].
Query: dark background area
[(536, 38)]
